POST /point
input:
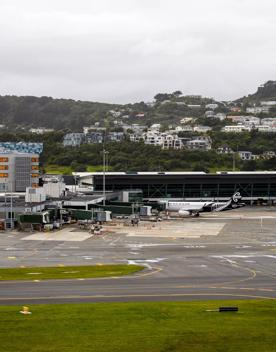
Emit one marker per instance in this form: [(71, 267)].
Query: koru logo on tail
[(236, 197)]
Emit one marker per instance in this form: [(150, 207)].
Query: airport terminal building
[(253, 186)]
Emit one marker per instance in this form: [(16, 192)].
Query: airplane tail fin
[(233, 203), (236, 198)]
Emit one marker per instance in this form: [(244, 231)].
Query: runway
[(136, 288), (238, 263)]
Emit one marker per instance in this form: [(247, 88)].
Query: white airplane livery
[(194, 208)]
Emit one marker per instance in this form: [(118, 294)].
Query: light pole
[(6, 212), (105, 153), (11, 211)]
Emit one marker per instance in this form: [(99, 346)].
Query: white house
[(236, 128), (269, 121), (194, 106), (41, 130), (200, 143), (258, 110), (187, 120), (245, 155), (209, 113), (211, 106), (202, 129), (268, 103), (155, 126)]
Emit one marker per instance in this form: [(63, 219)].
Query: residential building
[(135, 137), (236, 128), (140, 114), (268, 103), (22, 147), (155, 126), (265, 128), (115, 113), (225, 150), (93, 128), (235, 109), (221, 116), (187, 120), (245, 120), (209, 113), (200, 143), (269, 121), (268, 154), (138, 128), (202, 129), (153, 138), (212, 106), (41, 130), (171, 141), (245, 155), (258, 110), (94, 137), (18, 171), (187, 128), (194, 106), (115, 136), (73, 139)]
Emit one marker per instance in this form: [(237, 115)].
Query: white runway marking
[(226, 257), (145, 262)]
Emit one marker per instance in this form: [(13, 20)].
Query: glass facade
[(203, 186)]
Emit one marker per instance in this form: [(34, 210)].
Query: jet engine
[(184, 213)]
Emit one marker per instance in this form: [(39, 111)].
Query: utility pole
[(104, 152)]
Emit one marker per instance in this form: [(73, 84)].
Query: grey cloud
[(128, 50)]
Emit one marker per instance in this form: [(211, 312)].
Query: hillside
[(67, 114), (29, 111), (167, 108), (266, 91)]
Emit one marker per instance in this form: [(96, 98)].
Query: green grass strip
[(140, 327), (67, 272)]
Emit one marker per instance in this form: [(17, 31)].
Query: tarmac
[(227, 255)]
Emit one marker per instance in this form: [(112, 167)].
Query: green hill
[(29, 111), (266, 91)]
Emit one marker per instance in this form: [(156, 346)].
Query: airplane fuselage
[(190, 206)]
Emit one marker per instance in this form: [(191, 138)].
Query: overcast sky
[(129, 50)]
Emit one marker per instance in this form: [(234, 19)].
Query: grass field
[(67, 170), (67, 272), (143, 327), (58, 170)]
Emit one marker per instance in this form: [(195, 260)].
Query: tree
[(162, 97), (177, 93)]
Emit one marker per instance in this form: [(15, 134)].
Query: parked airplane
[(194, 208)]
